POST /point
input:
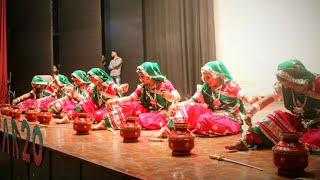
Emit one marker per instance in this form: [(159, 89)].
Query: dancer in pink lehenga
[(59, 85), (39, 90), (80, 90), (216, 108), (94, 104), (150, 101), (300, 90)]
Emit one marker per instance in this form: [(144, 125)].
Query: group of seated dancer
[(217, 107), (88, 94)]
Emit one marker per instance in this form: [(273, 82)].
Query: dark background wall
[(124, 33), (83, 31), (29, 41), (80, 35)]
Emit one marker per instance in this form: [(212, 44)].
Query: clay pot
[(6, 109), (289, 155), (130, 130), (82, 124), (15, 112), (44, 116), (31, 114), (180, 140)]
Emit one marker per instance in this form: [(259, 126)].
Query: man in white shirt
[(115, 66)]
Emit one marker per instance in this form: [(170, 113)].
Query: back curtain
[(3, 54)]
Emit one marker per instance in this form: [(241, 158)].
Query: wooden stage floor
[(153, 160)]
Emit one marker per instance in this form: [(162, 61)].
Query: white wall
[(254, 36)]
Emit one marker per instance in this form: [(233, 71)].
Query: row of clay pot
[(289, 155), (181, 141), (44, 116)]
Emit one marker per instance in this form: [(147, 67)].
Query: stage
[(103, 155)]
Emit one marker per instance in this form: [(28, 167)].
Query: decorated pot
[(44, 116), (180, 140), (6, 109), (15, 112), (31, 114), (289, 155), (82, 124), (130, 130)]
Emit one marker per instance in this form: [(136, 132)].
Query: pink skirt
[(147, 120), (99, 114), (24, 105), (89, 107), (210, 124), (204, 122), (63, 106), (44, 102), (311, 138)]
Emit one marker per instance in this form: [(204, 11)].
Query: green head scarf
[(216, 68), (62, 80), (81, 75), (39, 80), (152, 70), (294, 71), (100, 75)]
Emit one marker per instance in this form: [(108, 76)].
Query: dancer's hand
[(254, 99), (15, 101), (51, 104), (166, 94), (111, 102), (247, 119), (68, 89), (124, 88), (173, 109)]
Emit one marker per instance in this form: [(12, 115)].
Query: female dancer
[(216, 107), (59, 85), (39, 90), (150, 100), (75, 94), (94, 104), (300, 90)]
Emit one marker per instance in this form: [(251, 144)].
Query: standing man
[(115, 67)]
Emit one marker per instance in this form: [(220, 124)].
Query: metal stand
[(11, 94)]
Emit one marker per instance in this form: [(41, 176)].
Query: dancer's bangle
[(254, 109), (118, 101), (256, 106), (167, 130)]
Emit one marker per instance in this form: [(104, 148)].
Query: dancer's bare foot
[(64, 120), (239, 145), (163, 132), (100, 126)]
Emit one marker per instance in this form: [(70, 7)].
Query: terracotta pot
[(82, 124), (289, 155), (6, 109), (31, 114), (130, 130), (180, 140), (44, 116), (15, 112)]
